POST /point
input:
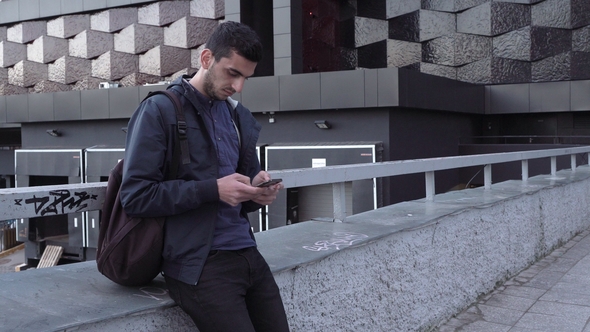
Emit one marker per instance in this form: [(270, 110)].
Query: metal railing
[(39, 201)]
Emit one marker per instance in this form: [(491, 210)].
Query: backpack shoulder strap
[(181, 127)]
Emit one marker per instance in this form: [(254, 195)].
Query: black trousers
[(236, 292)]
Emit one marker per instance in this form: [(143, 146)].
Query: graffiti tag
[(59, 202), (340, 239)]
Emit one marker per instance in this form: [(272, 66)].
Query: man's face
[(226, 77)]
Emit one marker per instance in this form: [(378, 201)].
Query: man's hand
[(269, 194), (235, 189)]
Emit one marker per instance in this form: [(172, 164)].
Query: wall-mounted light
[(322, 124), (54, 132), (271, 116)]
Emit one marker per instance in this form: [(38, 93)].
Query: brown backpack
[(130, 249)]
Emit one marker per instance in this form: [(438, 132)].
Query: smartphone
[(269, 183)]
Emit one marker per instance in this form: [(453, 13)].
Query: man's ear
[(206, 58)]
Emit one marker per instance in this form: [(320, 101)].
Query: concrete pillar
[(68, 26), (163, 12), (90, 44), (25, 32), (11, 53), (112, 20), (114, 65), (138, 38), (164, 60), (403, 53), (68, 69), (47, 49), (189, 32), (49, 86), (26, 73), (213, 9)]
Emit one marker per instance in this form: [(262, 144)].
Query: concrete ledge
[(405, 267)]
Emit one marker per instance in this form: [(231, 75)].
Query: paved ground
[(552, 295)]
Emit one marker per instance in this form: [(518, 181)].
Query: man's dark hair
[(233, 36)]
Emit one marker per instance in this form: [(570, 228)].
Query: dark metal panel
[(388, 87), (509, 98), (49, 163), (469, 98), (580, 95), (2, 109), (426, 91), (17, 108), (50, 7), (6, 162), (123, 102), (8, 11), (95, 4), (262, 94), (550, 97), (41, 107), (371, 85), (66, 105), (94, 104), (344, 89), (300, 92), (28, 9), (100, 162), (71, 6)]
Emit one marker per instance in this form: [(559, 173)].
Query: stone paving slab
[(551, 295)]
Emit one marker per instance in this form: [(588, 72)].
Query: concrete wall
[(409, 266)]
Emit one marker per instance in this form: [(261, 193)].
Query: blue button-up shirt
[(232, 231)]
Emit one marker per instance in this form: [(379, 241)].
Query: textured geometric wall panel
[(68, 26), (555, 68), (136, 79), (565, 14), (421, 25), (27, 73), (9, 89), (495, 70), (163, 13), (394, 8), (493, 18), (370, 9), (164, 60), (11, 53), (456, 49), (138, 38), (88, 83), (3, 74), (581, 39), (26, 31), (189, 32), (47, 49), (213, 9), (68, 69), (113, 19), (580, 65), (3, 33), (89, 44), (451, 6), (438, 70), (114, 65), (523, 1), (49, 86), (402, 53), (532, 43), (373, 55), (369, 30)]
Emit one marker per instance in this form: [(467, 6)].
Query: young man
[(212, 267)]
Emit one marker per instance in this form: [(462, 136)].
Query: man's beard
[(208, 85)]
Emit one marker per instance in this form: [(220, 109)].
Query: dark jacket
[(191, 200)]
